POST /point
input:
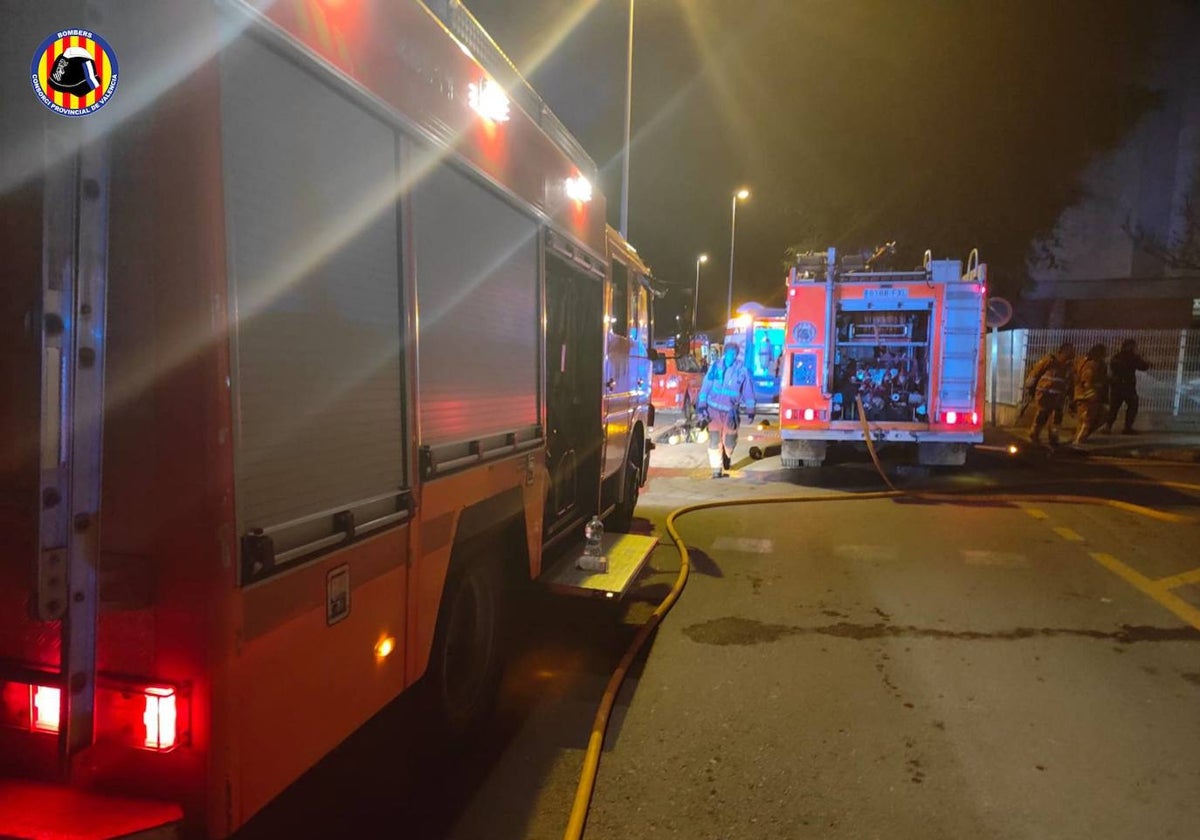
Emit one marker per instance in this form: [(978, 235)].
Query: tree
[(1180, 252)]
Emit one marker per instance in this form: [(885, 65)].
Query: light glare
[(579, 188), (489, 100)]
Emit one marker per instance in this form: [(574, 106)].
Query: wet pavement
[(840, 669)]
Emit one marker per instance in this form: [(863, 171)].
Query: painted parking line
[(1176, 581), (1036, 513), (1068, 534), (1154, 589)]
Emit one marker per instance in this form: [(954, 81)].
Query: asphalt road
[(847, 669)]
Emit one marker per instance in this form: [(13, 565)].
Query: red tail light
[(954, 418), (150, 717), (788, 414), (809, 414), (45, 705), (159, 718)]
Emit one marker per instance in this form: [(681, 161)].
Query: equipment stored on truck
[(909, 344)]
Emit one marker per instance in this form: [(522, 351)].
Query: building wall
[(1145, 183)]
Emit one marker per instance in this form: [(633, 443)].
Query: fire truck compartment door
[(476, 259), (310, 185)]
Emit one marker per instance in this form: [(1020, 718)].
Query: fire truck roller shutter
[(314, 268), (476, 259)]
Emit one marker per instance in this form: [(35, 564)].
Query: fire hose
[(591, 761)]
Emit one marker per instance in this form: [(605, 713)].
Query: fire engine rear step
[(31, 809), (627, 555)]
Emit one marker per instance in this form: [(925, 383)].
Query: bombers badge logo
[(74, 72)]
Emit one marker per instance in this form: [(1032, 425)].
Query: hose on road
[(591, 761)]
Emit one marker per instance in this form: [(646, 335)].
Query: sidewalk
[(1151, 445)]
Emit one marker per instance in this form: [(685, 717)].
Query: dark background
[(942, 125)]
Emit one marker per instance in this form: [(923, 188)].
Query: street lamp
[(628, 118), (703, 258), (740, 195)]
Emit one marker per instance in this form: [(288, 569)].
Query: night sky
[(943, 125)]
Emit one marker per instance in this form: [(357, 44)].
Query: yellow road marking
[(1175, 604), (1182, 579), (1036, 513), (1067, 534), (1161, 515)]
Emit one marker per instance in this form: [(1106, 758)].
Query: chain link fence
[(1169, 391)]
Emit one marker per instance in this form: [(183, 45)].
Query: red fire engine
[(909, 344), (314, 334), (678, 375)]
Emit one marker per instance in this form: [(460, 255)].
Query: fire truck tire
[(466, 661), (622, 517), (689, 411)]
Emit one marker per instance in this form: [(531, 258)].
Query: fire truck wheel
[(689, 411), (621, 519), (466, 661)]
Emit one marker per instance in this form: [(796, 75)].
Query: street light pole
[(740, 195), (628, 119), (703, 258)]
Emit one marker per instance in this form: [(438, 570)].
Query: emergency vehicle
[(909, 344), (678, 375), (760, 331), (313, 337)]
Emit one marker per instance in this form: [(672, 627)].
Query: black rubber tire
[(621, 519), (467, 660), (689, 410)]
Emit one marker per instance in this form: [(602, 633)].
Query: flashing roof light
[(45, 708), (743, 320), (489, 100), (160, 718), (579, 189)]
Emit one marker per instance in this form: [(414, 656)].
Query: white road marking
[(744, 545), (982, 557), (868, 553)]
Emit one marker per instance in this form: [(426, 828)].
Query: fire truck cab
[(907, 344), (678, 375)]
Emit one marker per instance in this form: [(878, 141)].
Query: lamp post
[(740, 195), (703, 258), (628, 119)]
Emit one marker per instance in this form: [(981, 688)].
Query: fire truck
[(760, 331), (314, 339), (907, 344), (679, 374)]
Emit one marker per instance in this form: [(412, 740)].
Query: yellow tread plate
[(626, 553)]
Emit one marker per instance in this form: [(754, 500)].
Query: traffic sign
[(999, 312)]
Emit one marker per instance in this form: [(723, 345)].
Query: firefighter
[(1122, 378), (727, 388), (1091, 390), (1050, 382)]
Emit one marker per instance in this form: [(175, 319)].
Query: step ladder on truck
[(906, 345)]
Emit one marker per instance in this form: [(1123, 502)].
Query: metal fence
[(1169, 392)]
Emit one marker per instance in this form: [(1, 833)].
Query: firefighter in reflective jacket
[(1052, 381), (727, 388)]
